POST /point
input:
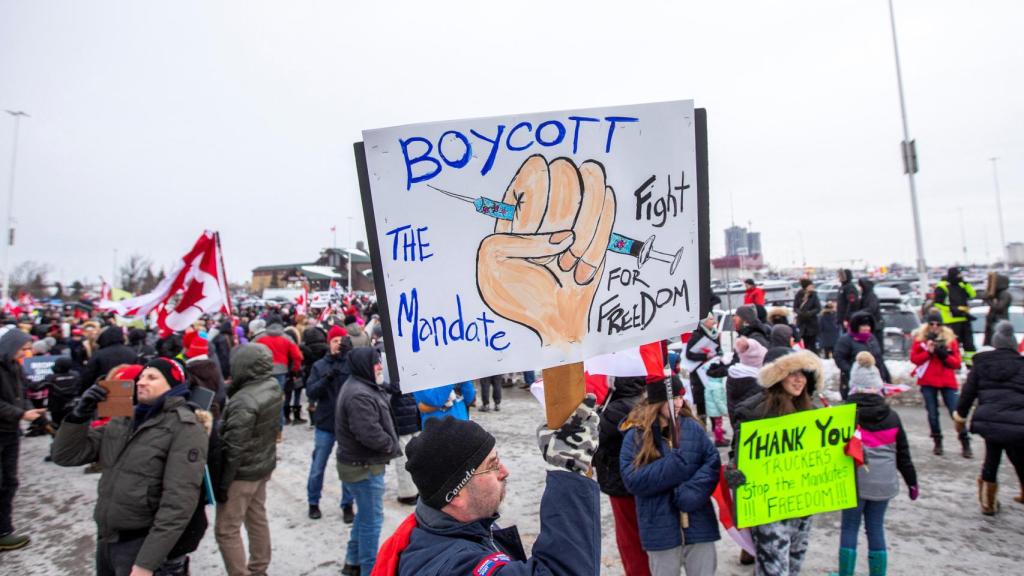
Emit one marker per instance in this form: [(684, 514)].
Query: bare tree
[(30, 277), (133, 273)]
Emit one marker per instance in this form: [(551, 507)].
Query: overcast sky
[(154, 120)]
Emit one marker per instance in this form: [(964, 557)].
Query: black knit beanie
[(171, 370), (443, 457), (656, 391)]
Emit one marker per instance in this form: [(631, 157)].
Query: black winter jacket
[(627, 394), (997, 383), (221, 348), (112, 352), (847, 348), (314, 347), (869, 303), (328, 375), (363, 423), (405, 410), (760, 332), (848, 300), (807, 306), (12, 405)]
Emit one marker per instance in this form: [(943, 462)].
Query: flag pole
[(227, 290)]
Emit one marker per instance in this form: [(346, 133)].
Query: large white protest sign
[(519, 242)]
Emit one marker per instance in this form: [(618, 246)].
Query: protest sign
[(37, 368), (537, 240), (795, 466)]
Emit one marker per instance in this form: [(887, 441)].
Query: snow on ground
[(942, 533)]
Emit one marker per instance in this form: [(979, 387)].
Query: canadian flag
[(198, 278), (302, 300), (646, 360), (104, 289), (723, 498)]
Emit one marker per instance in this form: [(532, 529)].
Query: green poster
[(795, 466)]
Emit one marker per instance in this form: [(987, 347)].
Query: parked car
[(978, 324)]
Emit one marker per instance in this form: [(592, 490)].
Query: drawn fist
[(542, 268)]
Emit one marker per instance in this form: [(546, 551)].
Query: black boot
[(347, 515), (314, 512), (937, 450), (965, 447), (287, 415), (297, 415)]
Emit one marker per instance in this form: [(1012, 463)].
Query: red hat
[(129, 372), (198, 347), (336, 332)]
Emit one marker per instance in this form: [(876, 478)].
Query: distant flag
[(302, 300), (104, 289), (199, 282)]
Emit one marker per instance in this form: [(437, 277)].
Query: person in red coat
[(287, 356), (936, 353), (754, 295)]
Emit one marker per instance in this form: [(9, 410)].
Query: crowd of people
[(207, 408)]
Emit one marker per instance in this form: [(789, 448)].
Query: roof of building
[(273, 267)]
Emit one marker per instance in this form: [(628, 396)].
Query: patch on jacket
[(193, 455), (488, 565)]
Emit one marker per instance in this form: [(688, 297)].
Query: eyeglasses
[(495, 468), (933, 324)]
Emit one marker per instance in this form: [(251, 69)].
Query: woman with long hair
[(670, 465), (789, 379)]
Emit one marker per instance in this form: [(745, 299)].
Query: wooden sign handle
[(564, 388)]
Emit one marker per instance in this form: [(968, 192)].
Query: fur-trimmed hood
[(776, 370), (945, 333)]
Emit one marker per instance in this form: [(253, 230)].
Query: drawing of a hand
[(542, 268)]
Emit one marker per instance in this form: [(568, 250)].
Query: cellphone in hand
[(119, 399)]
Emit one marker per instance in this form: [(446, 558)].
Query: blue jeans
[(280, 381), (529, 377), (323, 445), (931, 403), (873, 512), (364, 539)]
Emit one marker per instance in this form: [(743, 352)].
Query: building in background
[(741, 242), (331, 265)]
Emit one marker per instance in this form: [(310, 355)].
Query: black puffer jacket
[(807, 306), (314, 347), (627, 394), (869, 303), (847, 348), (221, 348), (113, 352), (252, 418), (404, 407), (997, 383), (847, 300), (363, 423)]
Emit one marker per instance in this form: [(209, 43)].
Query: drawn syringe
[(643, 251)]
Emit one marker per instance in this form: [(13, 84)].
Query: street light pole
[(909, 163), (999, 214), (9, 244), (349, 254)]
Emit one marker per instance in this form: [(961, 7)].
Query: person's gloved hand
[(914, 492), (734, 478), (86, 407), (959, 424), (572, 446)]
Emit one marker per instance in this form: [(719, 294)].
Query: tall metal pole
[(910, 163), (9, 244), (999, 214), (349, 254)]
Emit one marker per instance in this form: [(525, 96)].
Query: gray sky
[(154, 120)]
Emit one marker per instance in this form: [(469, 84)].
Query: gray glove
[(734, 478), (572, 446)]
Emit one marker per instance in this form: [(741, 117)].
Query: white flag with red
[(197, 279), (302, 300)]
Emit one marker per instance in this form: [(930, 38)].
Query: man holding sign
[(791, 460)]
